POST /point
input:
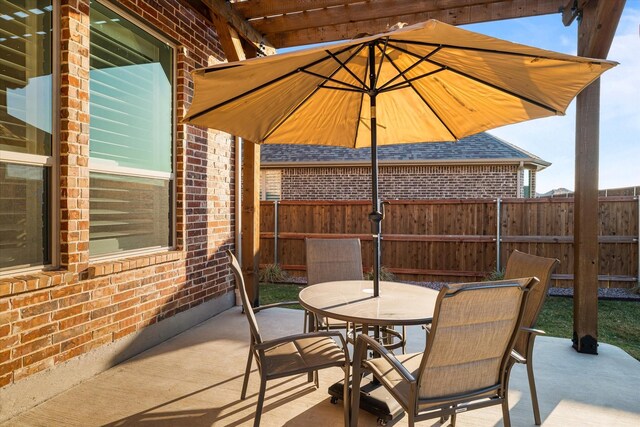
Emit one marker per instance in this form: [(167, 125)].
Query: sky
[(553, 138)]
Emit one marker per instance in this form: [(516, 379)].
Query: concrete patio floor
[(195, 378)]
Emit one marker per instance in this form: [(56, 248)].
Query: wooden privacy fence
[(456, 240)]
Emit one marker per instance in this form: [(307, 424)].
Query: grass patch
[(271, 293), (618, 322)]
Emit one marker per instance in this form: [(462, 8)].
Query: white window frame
[(52, 162), (97, 165)]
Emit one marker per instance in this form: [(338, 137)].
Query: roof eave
[(536, 163)]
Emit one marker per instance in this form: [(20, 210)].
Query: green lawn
[(618, 321), (270, 293)]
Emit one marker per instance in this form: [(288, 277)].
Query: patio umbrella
[(429, 82)]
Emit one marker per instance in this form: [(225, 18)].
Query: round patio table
[(353, 301)]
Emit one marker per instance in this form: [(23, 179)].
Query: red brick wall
[(47, 318), (400, 182)]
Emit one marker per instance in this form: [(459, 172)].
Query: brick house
[(477, 166), (114, 217)]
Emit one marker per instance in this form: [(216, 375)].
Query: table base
[(374, 398)]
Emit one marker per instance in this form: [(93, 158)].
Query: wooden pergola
[(247, 28)]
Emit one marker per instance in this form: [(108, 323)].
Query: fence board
[(446, 240)]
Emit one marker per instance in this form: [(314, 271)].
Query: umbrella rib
[(425, 101), (384, 51), (480, 49), (304, 101), (270, 82), (411, 67), (348, 85), (346, 89), (355, 138), (491, 85), (405, 84), (343, 65)]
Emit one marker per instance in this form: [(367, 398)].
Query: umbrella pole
[(375, 216)]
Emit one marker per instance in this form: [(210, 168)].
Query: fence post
[(275, 232), (638, 240), (498, 234)]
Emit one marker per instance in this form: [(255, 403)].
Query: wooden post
[(251, 218), (234, 50), (585, 246), (598, 22)]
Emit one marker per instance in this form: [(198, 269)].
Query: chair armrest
[(276, 341), (427, 328), (387, 355), (533, 331), (518, 357), (275, 304)]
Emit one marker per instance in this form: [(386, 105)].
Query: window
[(131, 136), (526, 181), (271, 184), (26, 122)]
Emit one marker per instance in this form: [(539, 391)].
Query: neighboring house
[(556, 192), (474, 167), (603, 192)]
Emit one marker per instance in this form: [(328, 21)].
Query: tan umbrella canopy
[(428, 82)]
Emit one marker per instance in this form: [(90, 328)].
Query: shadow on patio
[(194, 379)]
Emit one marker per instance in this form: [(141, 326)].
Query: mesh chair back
[(330, 260), (473, 331), (521, 264), (246, 305)]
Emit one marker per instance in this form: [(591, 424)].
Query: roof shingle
[(480, 146)]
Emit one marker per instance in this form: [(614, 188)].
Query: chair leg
[(356, 376), (306, 322), (505, 413), (404, 339), (532, 384), (453, 419), (263, 388), (359, 354), (313, 377), (346, 399), (247, 371)]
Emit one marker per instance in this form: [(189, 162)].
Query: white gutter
[(537, 163), (237, 142)]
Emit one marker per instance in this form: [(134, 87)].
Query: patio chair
[(464, 364), (331, 260), (290, 355), (521, 264)]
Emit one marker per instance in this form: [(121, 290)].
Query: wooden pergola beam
[(598, 26), (598, 23), (261, 8), (229, 39), (571, 11), (224, 10), (389, 9), (471, 13)]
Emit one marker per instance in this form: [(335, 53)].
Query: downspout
[(498, 233), (237, 142)]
